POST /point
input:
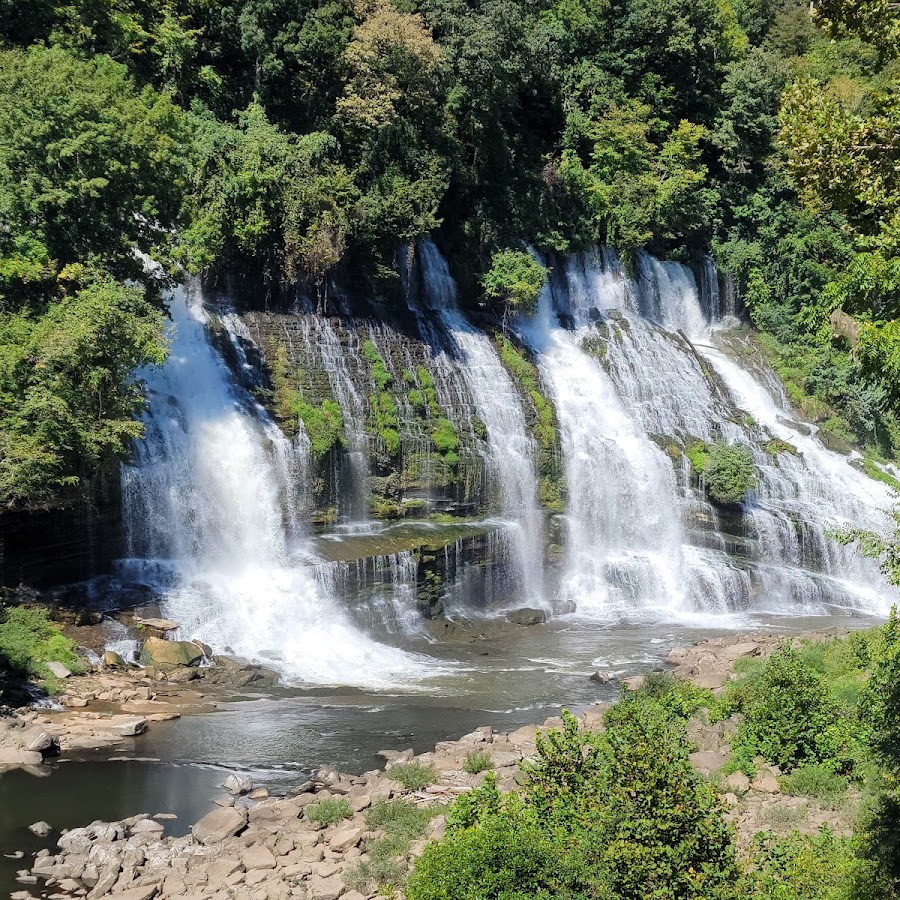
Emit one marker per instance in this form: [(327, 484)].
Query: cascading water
[(209, 519), (510, 447), (637, 374)]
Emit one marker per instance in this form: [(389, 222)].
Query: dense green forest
[(273, 143)]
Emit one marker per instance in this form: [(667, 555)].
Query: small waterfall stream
[(205, 505), (510, 446)]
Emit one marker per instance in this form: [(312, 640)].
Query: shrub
[(789, 717), (621, 815), (401, 822), (679, 698), (798, 867), (414, 776), (478, 761), (29, 640), (515, 278), (815, 781), (728, 473), (329, 811)]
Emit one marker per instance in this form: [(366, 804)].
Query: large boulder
[(526, 616), (221, 823), (157, 651)]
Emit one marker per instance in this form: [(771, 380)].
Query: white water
[(511, 448), (631, 367), (209, 515)]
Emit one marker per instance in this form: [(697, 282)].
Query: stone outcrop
[(160, 652)]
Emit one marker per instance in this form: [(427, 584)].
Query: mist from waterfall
[(213, 522), (633, 366)]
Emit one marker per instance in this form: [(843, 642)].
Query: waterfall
[(511, 448), (212, 520), (635, 373)]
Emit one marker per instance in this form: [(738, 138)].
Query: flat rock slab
[(58, 669), (158, 624), (138, 893), (326, 888), (258, 857), (708, 761), (221, 823)]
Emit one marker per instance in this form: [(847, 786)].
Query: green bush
[(799, 867), (29, 640), (478, 761), (329, 811), (728, 473), (414, 776), (789, 717), (678, 698), (515, 278), (621, 815)]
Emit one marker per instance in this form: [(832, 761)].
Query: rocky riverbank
[(320, 840), (116, 701)]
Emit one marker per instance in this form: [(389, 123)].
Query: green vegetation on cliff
[(543, 423), (323, 424), (725, 470)]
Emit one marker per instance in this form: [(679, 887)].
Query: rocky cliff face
[(43, 548)]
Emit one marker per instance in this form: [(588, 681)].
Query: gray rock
[(601, 678), (38, 741), (738, 782), (15, 756), (708, 761), (57, 669), (325, 888), (41, 829), (131, 726), (344, 838), (526, 616), (766, 782), (219, 824), (258, 857), (238, 784)]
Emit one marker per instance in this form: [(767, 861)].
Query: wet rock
[(160, 652), (526, 616), (129, 726), (162, 625), (112, 660), (601, 677), (219, 824), (41, 829), (238, 784)]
